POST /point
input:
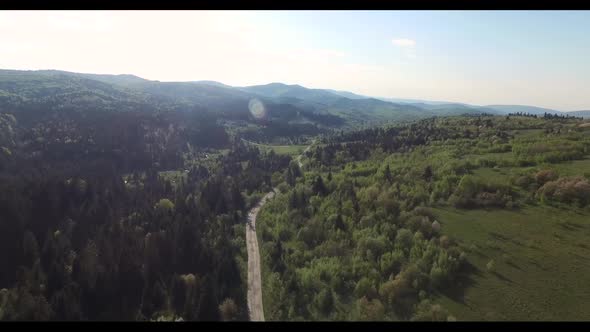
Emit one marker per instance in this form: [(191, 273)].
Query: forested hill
[(455, 218), (584, 114), (121, 204), (124, 215), (304, 110)]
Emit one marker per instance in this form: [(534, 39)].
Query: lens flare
[(257, 109)]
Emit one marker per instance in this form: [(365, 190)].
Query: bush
[(364, 288), (488, 199), (491, 266), (391, 263), (437, 276), (164, 205), (426, 311), (228, 310), (325, 301), (545, 176), (283, 187), (524, 181), (566, 190), (404, 239), (370, 310), (471, 194)]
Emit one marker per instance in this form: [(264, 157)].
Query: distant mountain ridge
[(523, 109), (585, 114), (293, 103)]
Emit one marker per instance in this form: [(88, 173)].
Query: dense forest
[(288, 112), (357, 236), (131, 215)]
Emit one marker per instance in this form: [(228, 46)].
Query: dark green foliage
[(90, 230), (318, 187)]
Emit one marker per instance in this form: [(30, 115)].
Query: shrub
[(404, 239), (566, 190), (364, 288), (444, 241), (283, 187), (228, 310), (164, 205), (391, 262), (524, 181), (325, 301), (545, 176), (490, 266), (437, 276), (426, 311), (470, 194), (370, 310)]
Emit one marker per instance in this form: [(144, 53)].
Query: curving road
[(301, 155), (255, 308), (254, 280)]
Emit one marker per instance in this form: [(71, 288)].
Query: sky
[(539, 58)]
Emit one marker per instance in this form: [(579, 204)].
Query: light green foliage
[(164, 205), (368, 242), (491, 265), (426, 311), (547, 242)]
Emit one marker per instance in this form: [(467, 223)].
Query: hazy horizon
[(474, 57)]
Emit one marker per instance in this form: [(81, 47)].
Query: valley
[(129, 199), (262, 166)]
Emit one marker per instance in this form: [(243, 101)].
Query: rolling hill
[(286, 105), (584, 114), (505, 109)]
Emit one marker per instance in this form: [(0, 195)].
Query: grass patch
[(291, 150), (174, 177), (573, 168), (541, 262)]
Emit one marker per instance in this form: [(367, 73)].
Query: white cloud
[(404, 42)]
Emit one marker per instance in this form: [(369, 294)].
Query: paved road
[(301, 155), (254, 280), (255, 307)]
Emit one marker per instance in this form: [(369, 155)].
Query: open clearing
[(542, 264)]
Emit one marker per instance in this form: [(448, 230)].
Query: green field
[(501, 175), (291, 150), (541, 256), (572, 168), (542, 264)]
